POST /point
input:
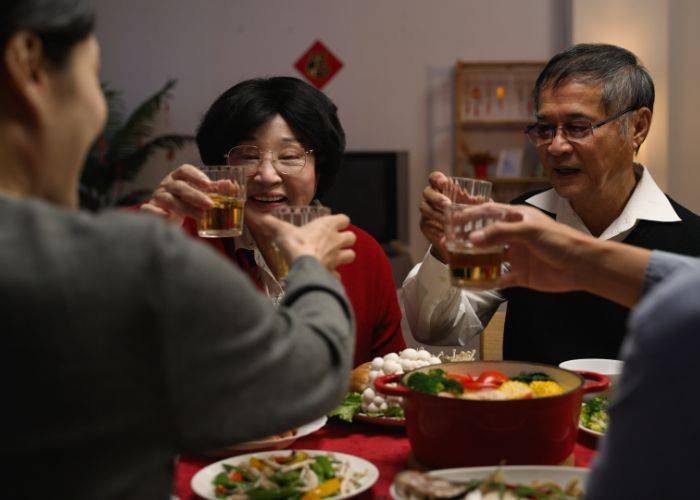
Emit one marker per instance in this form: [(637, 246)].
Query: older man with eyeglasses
[(593, 107)]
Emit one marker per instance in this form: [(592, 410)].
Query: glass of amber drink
[(227, 190), (470, 266), (297, 215)]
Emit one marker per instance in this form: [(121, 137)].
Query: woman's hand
[(432, 214), (180, 195), (322, 238)]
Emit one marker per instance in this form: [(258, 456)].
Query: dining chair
[(491, 345)]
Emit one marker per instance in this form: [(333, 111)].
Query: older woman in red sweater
[(270, 120)]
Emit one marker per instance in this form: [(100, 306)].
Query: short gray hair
[(626, 84)]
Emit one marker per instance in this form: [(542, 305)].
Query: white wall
[(394, 93), (641, 26), (684, 104)]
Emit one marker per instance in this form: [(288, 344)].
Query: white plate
[(513, 474), (590, 432), (202, 480), (273, 443)]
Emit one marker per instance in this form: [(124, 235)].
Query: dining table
[(387, 447)]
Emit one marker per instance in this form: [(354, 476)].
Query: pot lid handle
[(381, 384)]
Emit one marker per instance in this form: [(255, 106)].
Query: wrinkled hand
[(543, 253), (432, 214), (180, 194), (322, 238)]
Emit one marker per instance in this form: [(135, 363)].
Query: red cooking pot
[(446, 432)]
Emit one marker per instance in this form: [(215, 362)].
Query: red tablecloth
[(386, 447)]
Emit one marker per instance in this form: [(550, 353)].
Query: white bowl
[(611, 368)]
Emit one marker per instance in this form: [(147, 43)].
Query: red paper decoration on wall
[(318, 65)]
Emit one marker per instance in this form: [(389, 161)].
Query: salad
[(414, 485), (594, 414), (296, 475)]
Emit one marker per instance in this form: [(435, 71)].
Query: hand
[(432, 214), (180, 194), (322, 238), (544, 254)]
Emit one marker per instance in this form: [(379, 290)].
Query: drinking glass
[(297, 215), (228, 192), (470, 266), (467, 191)]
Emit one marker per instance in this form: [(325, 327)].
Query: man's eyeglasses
[(289, 160), (541, 134)]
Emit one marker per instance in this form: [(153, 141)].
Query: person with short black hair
[(270, 117), (125, 343), (593, 105)]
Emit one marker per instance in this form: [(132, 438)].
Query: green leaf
[(128, 167), (326, 465), (426, 382), (349, 407), (453, 386), (290, 478), (119, 155), (221, 478), (527, 377), (394, 412), (138, 125)]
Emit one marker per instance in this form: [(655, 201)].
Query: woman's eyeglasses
[(290, 160)]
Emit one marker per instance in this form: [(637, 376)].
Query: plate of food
[(286, 474), (364, 403), (276, 442), (497, 482), (594, 417)]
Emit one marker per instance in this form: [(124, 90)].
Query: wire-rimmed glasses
[(541, 134), (290, 160)]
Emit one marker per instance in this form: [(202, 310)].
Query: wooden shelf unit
[(493, 105)]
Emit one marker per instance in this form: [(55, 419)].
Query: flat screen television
[(372, 189)]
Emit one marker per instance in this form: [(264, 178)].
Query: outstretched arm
[(549, 256)]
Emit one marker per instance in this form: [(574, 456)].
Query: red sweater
[(370, 287)]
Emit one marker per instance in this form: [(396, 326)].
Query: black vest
[(553, 327)]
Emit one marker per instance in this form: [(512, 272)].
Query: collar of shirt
[(273, 288), (647, 202)]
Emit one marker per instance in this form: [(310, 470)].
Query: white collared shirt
[(437, 313), (647, 202), (273, 288)]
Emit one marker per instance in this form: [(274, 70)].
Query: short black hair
[(626, 83), (60, 24), (247, 105)]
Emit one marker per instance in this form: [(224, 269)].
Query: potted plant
[(123, 149)]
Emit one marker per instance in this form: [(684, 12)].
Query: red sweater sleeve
[(369, 284)]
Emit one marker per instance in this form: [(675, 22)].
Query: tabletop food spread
[(365, 449)]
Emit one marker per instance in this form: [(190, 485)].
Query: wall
[(394, 93), (684, 103), (641, 26)]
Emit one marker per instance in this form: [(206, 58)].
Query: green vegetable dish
[(594, 414), (287, 476)]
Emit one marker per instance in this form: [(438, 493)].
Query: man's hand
[(544, 254), (180, 194), (322, 238), (432, 214)]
